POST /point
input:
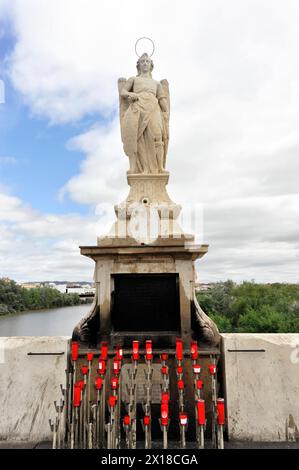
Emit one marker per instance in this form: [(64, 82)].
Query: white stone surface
[(29, 385), (262, 388)]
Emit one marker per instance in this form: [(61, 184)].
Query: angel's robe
[(143, 129)]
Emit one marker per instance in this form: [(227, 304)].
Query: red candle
[(135, 350), (164, 414), (99, 383), (77, 396), (112, 401), (181, 385), (102, 367), (80, 383), (179, 349), (149, 350), (127, 420), (194, 350), (199, 384), (75, 351), (220, 411), (183, 419), (114, 383), (119, 353), (165, 397), (201, 414), (104, 351), (116, 366), (146, 420)]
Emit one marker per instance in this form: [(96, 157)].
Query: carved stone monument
[(145, 271)]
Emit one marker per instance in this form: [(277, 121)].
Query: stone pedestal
[(146, 241), (147, 216), (150, 189)]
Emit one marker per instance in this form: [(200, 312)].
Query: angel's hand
[(132, 97)]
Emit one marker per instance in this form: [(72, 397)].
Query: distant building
[(52, 285), (60, 287), (202, 287), (70, 288), (74, 289), (80, 289), (30, 285)]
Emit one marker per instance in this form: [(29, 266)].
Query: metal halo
[(149, 39)]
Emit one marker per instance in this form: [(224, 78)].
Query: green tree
[(251, 307), (14, 298)]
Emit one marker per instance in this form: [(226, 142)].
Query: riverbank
[(15, 299), (86, 302)]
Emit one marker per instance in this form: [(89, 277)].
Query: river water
[(52, 322)]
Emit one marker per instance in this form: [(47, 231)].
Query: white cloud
[(102, 173), (233, 73), (36, 246), (254, 238)]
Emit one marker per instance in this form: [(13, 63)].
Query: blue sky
[(40, 160), (233, 73)]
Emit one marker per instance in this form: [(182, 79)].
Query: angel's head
[(145, 64)]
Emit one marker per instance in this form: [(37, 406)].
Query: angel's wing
[(165, 86), (123, 103)]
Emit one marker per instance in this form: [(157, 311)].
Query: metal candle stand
[(89, 414)]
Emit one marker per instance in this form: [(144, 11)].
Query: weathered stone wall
[(262, 388), (29, 384)]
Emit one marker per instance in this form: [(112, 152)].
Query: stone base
[(147, 216), (148, 189), (171, 237)]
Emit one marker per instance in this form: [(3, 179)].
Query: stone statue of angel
[(144, 119)]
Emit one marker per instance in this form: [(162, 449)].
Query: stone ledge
[(193, 251)]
